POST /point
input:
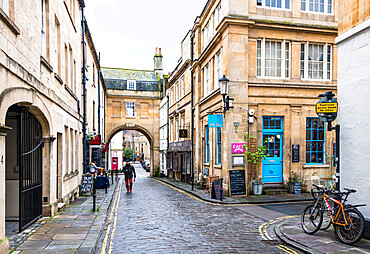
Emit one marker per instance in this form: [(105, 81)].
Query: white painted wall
[(354, 112)]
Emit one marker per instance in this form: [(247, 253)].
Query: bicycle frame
[(335, 215)]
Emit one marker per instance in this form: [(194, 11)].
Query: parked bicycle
[(347, 220)]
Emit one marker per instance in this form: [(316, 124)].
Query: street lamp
[(223, 90)]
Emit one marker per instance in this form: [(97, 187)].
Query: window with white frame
[(182, 86), (182, 123), (273, 59), (207, 85), (43, 28), (5, 6), (280, 4), (171, 131), (171, 96), (218, 15), (316, 61), (320, 6), (130, 109), (207, 33), (131, 84), (218, 69)]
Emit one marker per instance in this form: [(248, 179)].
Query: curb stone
[(290, 242), (230, 203), (102, 222)]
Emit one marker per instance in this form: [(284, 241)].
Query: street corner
[(289, 231)]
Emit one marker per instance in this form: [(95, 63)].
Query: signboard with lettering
[(237, 148), (327, 107), (297, 188), (295, 153), (105, 147), (217, 190), (87, 183), (206, 171), (237, 182), (215, 121)]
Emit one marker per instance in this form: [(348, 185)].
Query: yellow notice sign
[(327, 107)]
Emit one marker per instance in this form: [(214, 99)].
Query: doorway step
[(274, 189), (61, 206)]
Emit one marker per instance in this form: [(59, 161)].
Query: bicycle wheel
[(311, 219), (326, 220), (353, 232)]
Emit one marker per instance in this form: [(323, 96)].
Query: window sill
[(144, 117), (45, 62), (69, 176), (70, 92), (131, 117), (274, 8), (116, 116), (4, 17), (316, 166), (206, 164), (60, 80), (219, 166)]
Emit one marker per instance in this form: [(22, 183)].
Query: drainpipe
[(192, 115), (99, 97), (84, 90)]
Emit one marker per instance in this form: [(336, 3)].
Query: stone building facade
[(40, 107), (353, 92), (179, 116), (279, 56), (133, 101)]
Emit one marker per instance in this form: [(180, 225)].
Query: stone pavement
[(156, 218), (73, 230), (290, 232), (251, 199)]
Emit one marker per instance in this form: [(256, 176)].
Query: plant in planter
[(295, 183), (254, 155)]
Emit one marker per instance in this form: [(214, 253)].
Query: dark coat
[(129, 171)]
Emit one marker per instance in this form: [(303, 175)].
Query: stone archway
[(154, 153)]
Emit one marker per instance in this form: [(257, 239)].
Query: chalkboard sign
[(295, 153), (87, 182), (237, 182), (217, 190), (297, 188)]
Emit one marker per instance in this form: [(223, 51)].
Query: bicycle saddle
[(350, 190)]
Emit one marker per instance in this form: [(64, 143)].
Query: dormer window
[(131, 84)]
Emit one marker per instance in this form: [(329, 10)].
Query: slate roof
[(127, 74), (115, 78)]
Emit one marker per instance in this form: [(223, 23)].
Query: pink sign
[(237, 148)]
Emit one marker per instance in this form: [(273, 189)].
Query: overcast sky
[(127, 32)]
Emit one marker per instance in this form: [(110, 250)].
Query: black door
[(30, 168)]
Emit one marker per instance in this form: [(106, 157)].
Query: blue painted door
[(272, 165)]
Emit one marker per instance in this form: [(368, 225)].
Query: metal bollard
[(94, 194), (112, 176), (106, 183), (222, 189)]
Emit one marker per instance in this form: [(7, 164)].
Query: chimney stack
[(158, 65)]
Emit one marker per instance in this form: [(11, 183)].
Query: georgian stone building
[(179, 116), (279, 56), (41, 107)]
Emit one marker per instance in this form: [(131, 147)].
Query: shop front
[(179, 161)]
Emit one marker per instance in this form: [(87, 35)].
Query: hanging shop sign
[(96, 140), (215, 121), (105, 148), (183, 133)]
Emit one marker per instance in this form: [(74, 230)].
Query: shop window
[(207, 144), (219, 145), (315, 141), (272, 123)]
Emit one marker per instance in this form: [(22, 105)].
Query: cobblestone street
[(158, 219)]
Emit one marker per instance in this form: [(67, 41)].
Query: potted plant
[(254, 154), (257, 186), (295, 186)]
